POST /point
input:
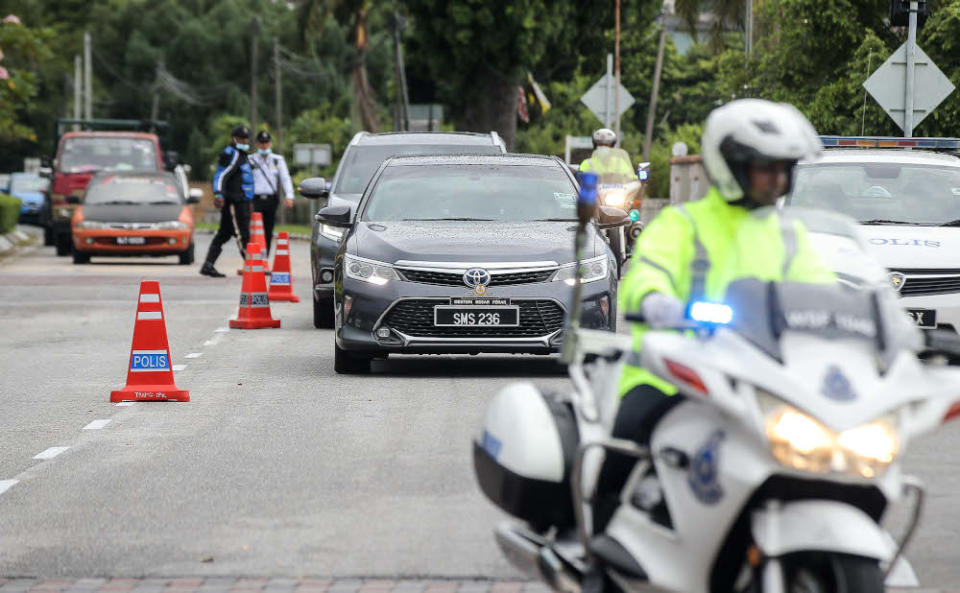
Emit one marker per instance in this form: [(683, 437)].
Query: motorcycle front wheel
[(828, 572)]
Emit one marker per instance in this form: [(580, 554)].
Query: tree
[(21, 50)]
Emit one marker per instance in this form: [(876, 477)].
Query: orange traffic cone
[(257, 237), (254, 303), (150, 376), (281, 280)]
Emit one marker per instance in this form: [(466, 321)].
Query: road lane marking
[(222, 330), (50, 453), (124, 404), (97, 424), (6, 485), (194, 355), (179, 367)]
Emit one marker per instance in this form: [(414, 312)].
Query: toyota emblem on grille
[(897, 280), (477, 279)]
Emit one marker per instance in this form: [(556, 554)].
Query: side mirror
[(73, 199), (610, 217), (314, 187), (643, 171), (334, 216), (195, 195), (171, 159)]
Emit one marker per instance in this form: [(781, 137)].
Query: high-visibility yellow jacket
[(727, 244), (607, 161)]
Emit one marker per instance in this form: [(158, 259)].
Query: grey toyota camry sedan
[(464, 254)]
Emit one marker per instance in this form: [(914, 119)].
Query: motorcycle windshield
[(800, 270)]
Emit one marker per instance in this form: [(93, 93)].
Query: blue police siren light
[(634, 215), (643, 174), (588, 188), (710, 313)]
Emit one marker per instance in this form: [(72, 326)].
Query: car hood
[(472, 242), (131, 212), (913, 247), (29, 197)]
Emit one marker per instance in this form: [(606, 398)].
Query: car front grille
[(929, 283), (496, 278), (414, 318)]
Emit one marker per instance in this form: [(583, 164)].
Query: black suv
[(360, 161)]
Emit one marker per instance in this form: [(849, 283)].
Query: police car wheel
[(349, 363), (322, 313)]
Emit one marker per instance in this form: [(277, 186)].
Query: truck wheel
[(64, 243), (187, 257)]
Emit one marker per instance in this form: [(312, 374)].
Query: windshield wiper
[(883, 221), (164, 202), (118, 203), (554, 220)]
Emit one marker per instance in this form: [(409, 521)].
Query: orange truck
[(101, 145)]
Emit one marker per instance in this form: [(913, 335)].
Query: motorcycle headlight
[(591, 270), (90, 224), (799, 441), (331, 232), (367, 270), (615, 198), (172, 225)]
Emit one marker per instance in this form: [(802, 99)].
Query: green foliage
[(319, 125), (22, 47), (9, 213)]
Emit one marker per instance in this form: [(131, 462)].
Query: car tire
[(47, 236), (80, 257), (322, 313), (64, 243), (187, 257), (350, 363)]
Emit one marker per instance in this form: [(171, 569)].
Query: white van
[(908, 203)]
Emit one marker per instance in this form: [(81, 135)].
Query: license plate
[(131, 240), (923, 317), (476, 316)]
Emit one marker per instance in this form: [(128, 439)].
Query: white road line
[(194, 355), (6, 484), (96, 424), (222, 330), (179, 367), (124, 404), (50, 453)]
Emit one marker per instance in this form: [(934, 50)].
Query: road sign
[(888, 86), (601, 104), (312, 155)]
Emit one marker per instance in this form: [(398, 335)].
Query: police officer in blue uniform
[(233, 194)]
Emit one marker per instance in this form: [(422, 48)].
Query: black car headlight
[(368, 270)]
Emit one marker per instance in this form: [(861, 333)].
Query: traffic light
[(900, 12)]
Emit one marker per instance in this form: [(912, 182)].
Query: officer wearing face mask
[(233, 193), (270, 175)]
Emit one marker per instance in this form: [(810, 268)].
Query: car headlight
[(615, 198), (799, 441), (367, 270), (90, 224), (172, 225), (331, 232), (591, 270)]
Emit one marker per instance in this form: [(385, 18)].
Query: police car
[(906, 195)]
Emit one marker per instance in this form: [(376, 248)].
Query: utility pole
[(254, 43), (403, 99), (155, 108), (77, 88), (748, 24), (87, 77), (652, 112), (911, 69), (608, 95), (616, 69), (278, 98)]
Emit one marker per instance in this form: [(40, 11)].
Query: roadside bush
[(9, 213)]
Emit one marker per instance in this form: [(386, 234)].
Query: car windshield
[(362, 161), (102, 153), (133, 190), (26, 183), (881, 193), (472, 192)]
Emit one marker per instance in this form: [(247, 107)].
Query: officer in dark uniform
[(233, 194)]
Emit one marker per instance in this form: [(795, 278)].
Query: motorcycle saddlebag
[(524, 456)]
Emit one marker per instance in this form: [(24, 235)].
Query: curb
[(15, 240)]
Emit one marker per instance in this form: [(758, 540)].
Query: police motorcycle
[(775, 470), (624, 193)]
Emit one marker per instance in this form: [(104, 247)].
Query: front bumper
[(947, 307), (322, 258), (397, 317), (104, 242)]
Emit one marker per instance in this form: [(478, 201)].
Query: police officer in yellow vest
[(612, 165), (749, 149)]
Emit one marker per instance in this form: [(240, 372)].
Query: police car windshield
[(363, 161), (133, 190), (81, 155), (508, 193), (881, 193)]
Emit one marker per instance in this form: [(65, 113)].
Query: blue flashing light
[(588, 188), (634, 215), (643, 174), (710, 313)]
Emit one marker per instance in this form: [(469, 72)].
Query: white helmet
[(749, 130), (604, 137)]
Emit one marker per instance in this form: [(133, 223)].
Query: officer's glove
[(663, 311)]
